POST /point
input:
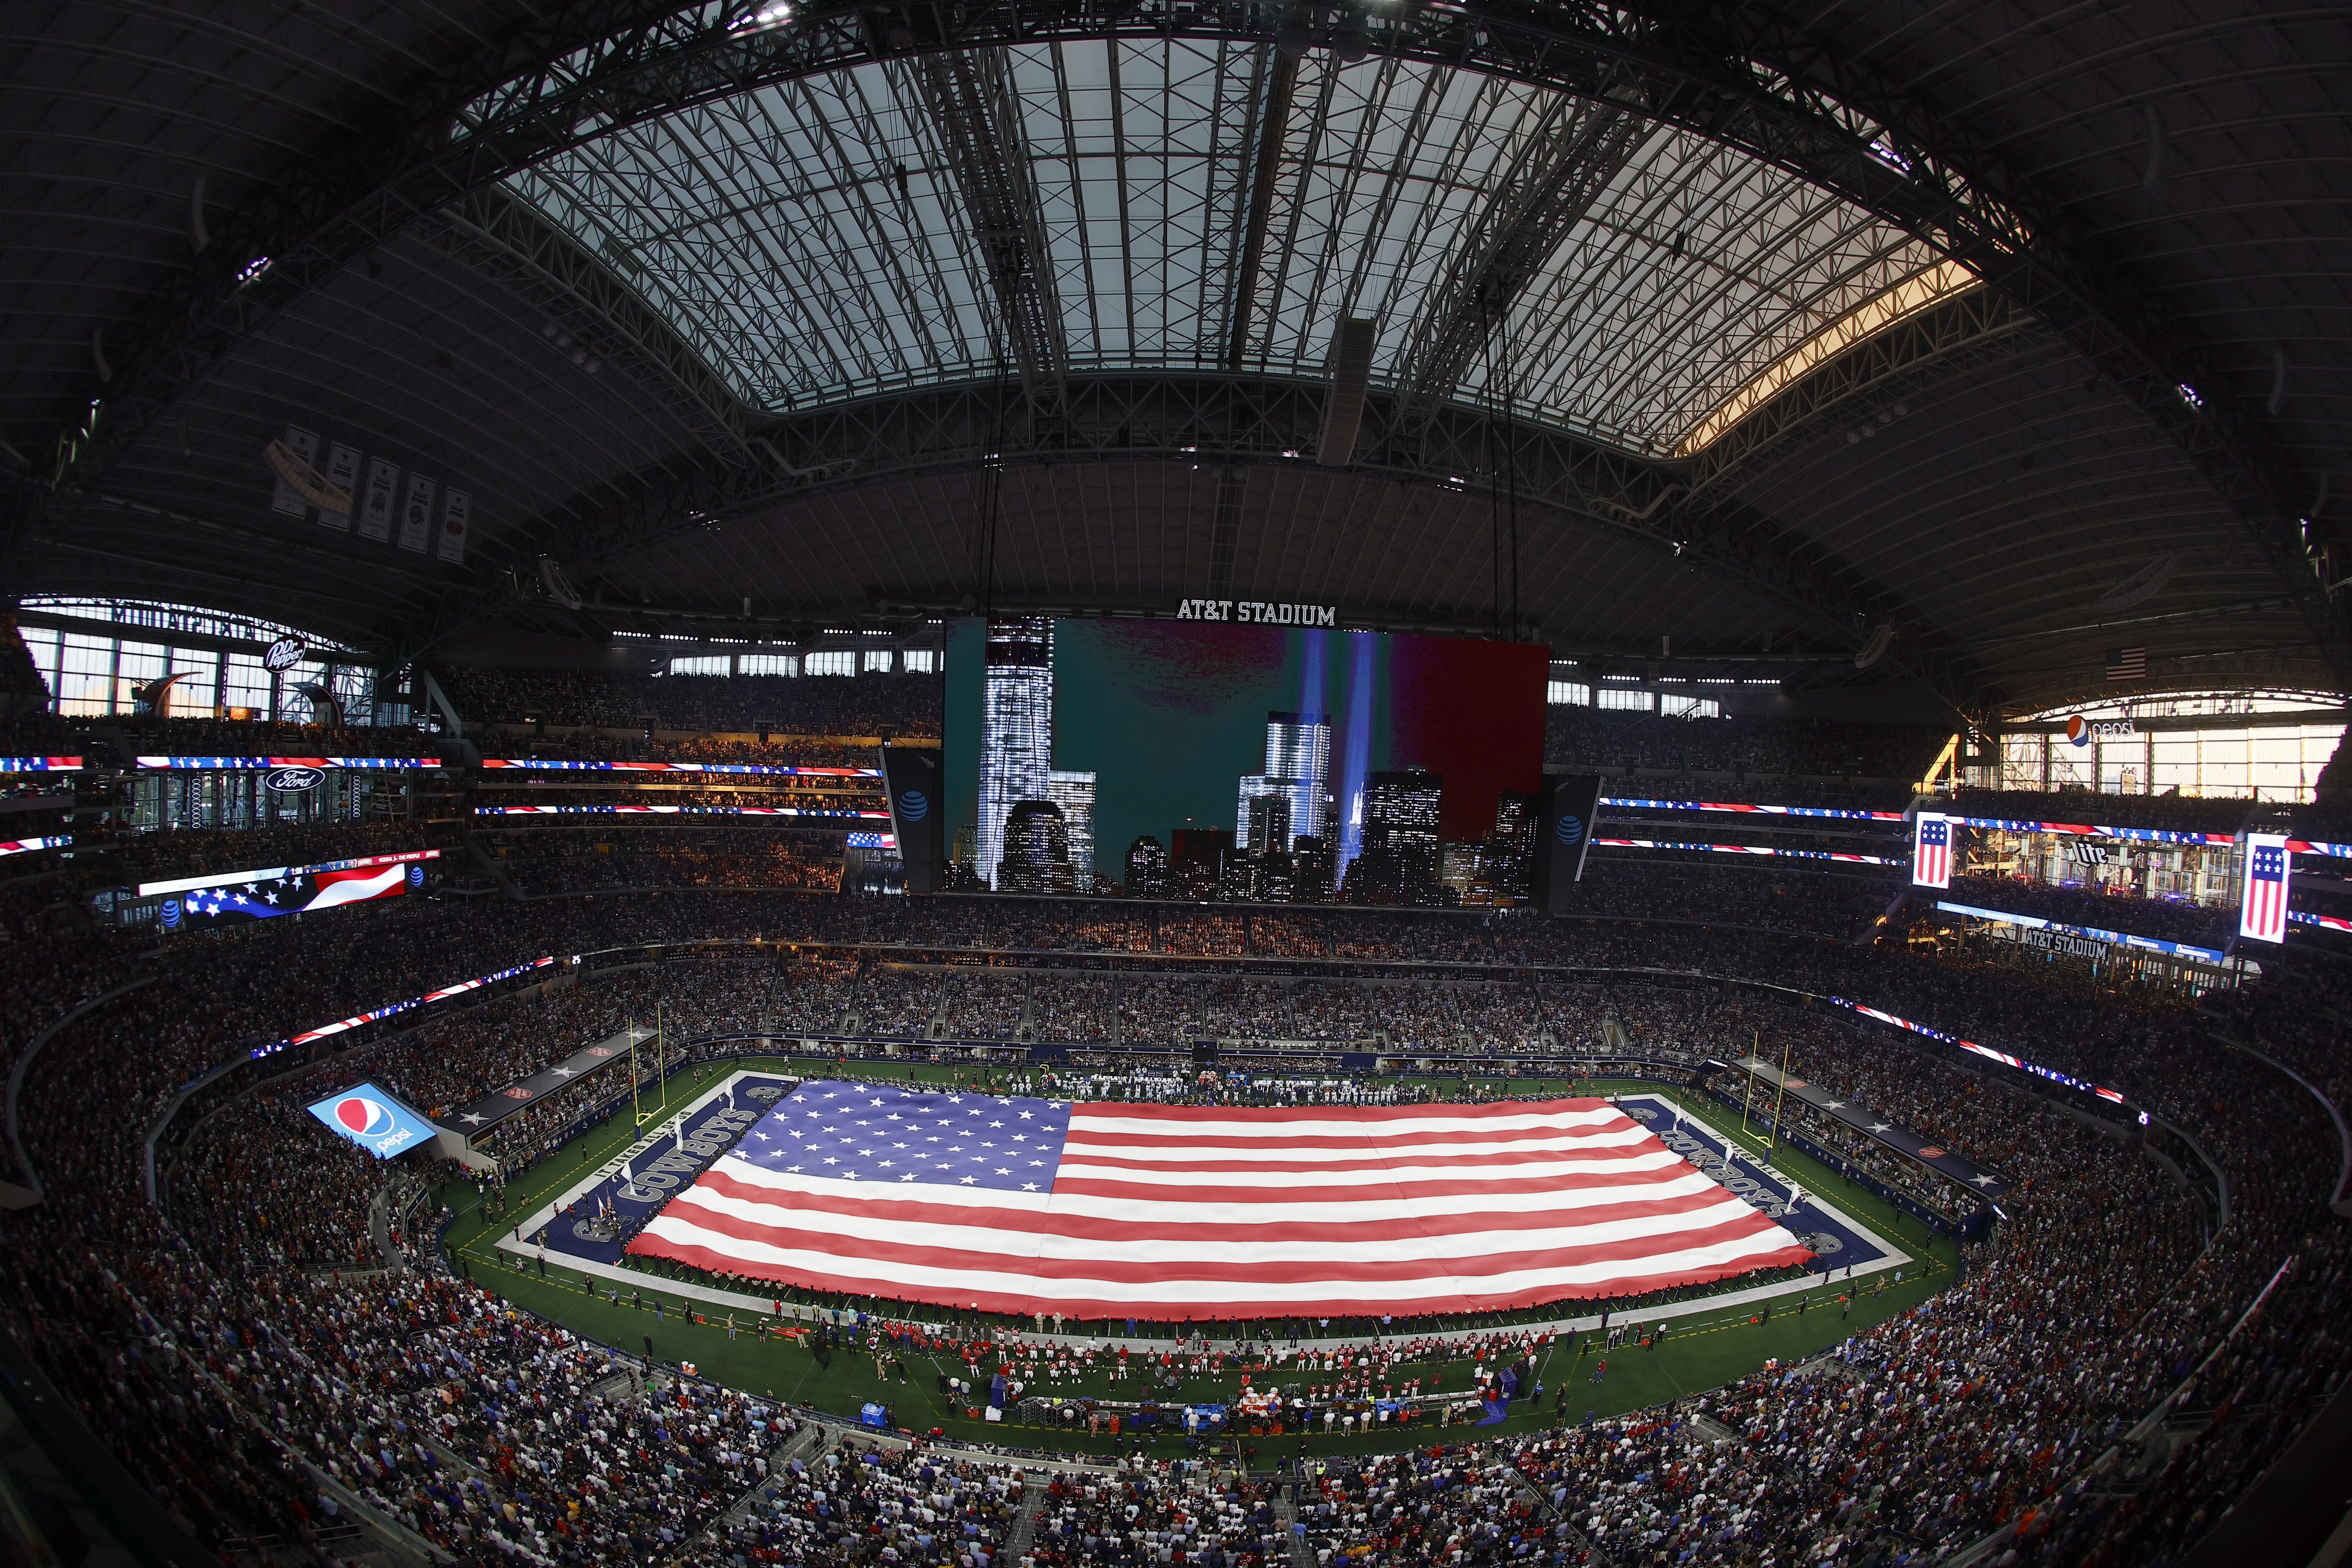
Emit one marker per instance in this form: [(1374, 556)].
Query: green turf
[(1700, 1352)]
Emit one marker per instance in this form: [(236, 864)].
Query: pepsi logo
[(914, 805), (361, 1116), (1569, 829), (2078, 731), (292, 781)]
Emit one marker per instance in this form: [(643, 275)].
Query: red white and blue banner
[(280, 873), (1749, 849), (233, 764), (372, 1119), (2318, 846), (2094, 830), (344, 1026), (1168, 1210), (2095, 933), (300, 892), (1931, 851), (2004, 1058), (539, 764), (40, 764), (25, 846), (806, 813), (2325, 922), (2261, 903), (1761, 810)]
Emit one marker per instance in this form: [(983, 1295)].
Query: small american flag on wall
[(2126, 663)]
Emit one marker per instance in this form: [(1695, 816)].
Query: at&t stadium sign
[(1259, 613)]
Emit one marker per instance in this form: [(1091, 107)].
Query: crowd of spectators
[(2098, 1296), (137, 735), (675, 856), (871, 704), (2167, 812), (2169, 920), (1637, 744), (131, 855)]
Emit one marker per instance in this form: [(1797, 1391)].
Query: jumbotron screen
[(1216, 760)]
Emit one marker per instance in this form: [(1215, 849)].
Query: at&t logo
[(914, 805), (1569, 829)]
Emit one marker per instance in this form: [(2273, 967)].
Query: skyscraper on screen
[(1016, 728), (1297, 768), (1074, 794)]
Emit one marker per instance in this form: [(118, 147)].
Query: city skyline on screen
[(1231, 744)]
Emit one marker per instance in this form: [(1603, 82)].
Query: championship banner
[(2261, 903), (372, 1119), (917, 803), (1931, 851), (1564, 837)]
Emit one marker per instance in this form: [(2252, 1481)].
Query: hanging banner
[(343, 475), (416, 518), (1931, 851), (287, 496), (382, 496), (456, 517), (2262, 906), (1564, 836)]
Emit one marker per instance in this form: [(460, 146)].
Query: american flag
[(1931, 852), (2262, 911), (1170, 1211), (2126, 663)]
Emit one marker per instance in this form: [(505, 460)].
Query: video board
[(1237, 762), (372, 1119)]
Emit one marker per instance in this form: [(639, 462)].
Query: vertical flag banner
[(1931, 851), (343, 474), (2262, 906), (912, 776), (456, 517), (287, 498), (416, 518), (1563, 837), (382, 496)]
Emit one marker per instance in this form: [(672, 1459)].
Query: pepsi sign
[(372, 1119), (292, 781)]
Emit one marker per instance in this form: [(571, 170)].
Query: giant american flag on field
[(1172, 1211)]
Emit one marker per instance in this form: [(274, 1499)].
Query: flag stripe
[(1023, 1205)]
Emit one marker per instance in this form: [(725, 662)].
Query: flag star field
[(1011, 1204)]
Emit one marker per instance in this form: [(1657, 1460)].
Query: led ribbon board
[(806, 813), (24, 846), (40, 764), (233, 765), (1749, 849), (343, 1025), (2019, 1063), (2095, 933), (536, 764)]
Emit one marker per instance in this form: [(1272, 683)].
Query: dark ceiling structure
[(1729, 339)]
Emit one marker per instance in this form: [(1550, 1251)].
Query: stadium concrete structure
[(500, 485)]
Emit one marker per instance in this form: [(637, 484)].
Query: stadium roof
[(1803, 325)]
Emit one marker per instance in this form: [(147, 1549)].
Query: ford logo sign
[(284, 654), (292, 781), (1569, 829), (914, 805)]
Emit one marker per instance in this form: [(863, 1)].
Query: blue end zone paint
[(1837, 1241), (655, 1170)]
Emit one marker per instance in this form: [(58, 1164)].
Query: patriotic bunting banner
[(1761, 810), (2262, 906), (1170, 1211), (1931, 852), (40, 764), (1749, 849)]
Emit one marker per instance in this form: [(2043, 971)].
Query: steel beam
[(1743, 78), (978, 117), (1547, 195)]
